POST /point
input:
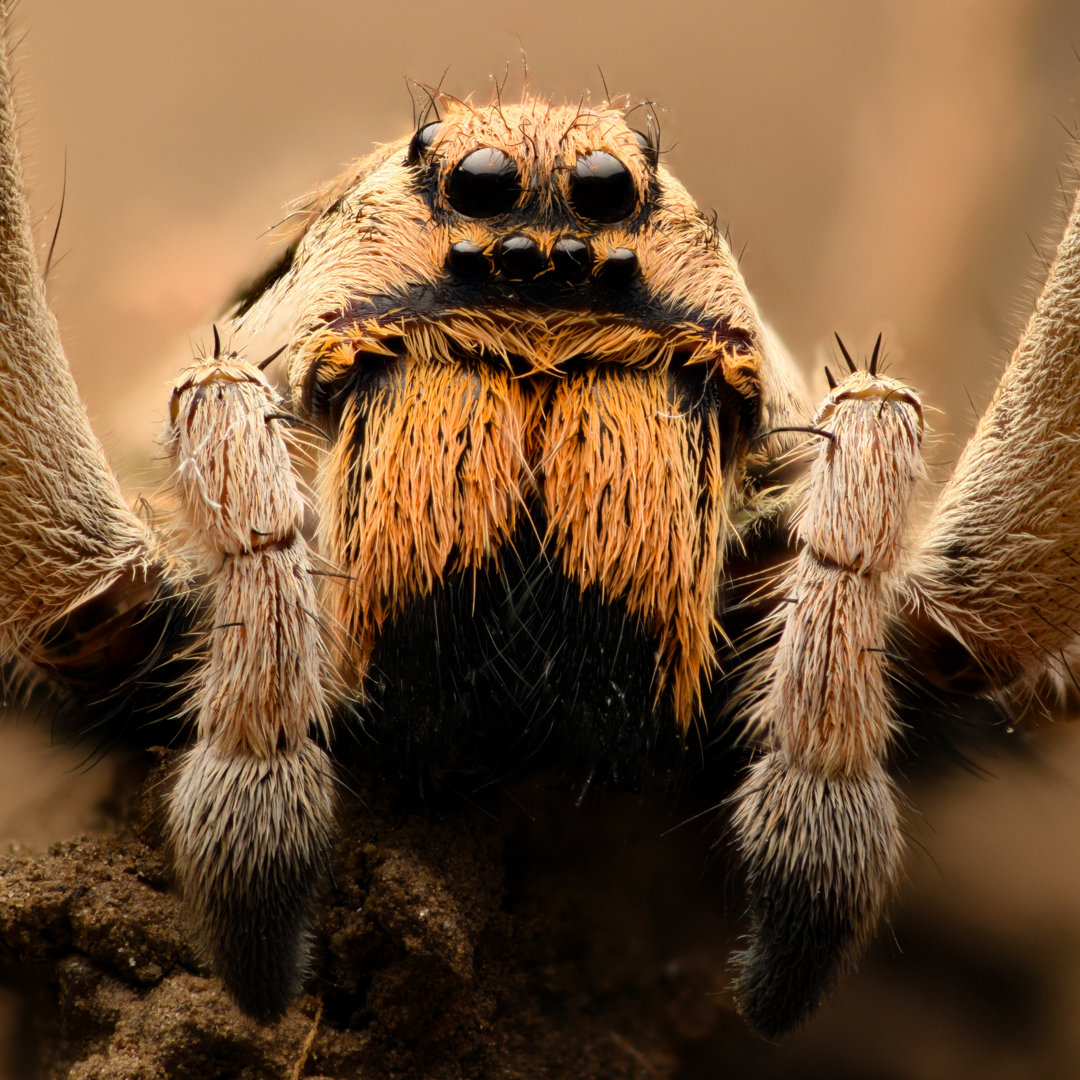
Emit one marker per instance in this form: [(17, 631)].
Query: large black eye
[(484, 184), (423, 140), (601, 187)]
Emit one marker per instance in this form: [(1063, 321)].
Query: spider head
[(535, 236)]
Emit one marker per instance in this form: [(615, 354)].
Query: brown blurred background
[(888, 166)]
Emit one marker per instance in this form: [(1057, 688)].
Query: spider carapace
[(557, 435)]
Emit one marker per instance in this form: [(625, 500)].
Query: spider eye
[(601, 187), (648, 146), (520, 257), (570, 260), (617, 267), (484, 184), (468, 260), (423, 141)]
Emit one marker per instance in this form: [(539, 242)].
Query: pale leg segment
[(815, 820), (77, 567), (250, 812), (999, 566)]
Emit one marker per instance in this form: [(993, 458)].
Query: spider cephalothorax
[(554, 421)]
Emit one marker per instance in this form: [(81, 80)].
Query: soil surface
[(524, 937), (513, 934)]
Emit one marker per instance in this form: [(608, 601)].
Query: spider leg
[(250, 812), (999, 564), (79, 571), (815, 819)]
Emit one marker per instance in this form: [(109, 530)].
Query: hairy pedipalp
[(250, 810), (815, 820)]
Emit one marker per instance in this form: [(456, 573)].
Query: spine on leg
[(250, 812), (815, 820)]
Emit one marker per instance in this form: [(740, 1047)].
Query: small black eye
[(468, 260), (649, 147), (423, 141), (617, 267), (570, 260), (484, 184), (601, 187), (519, 257)]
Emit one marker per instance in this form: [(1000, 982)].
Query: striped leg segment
[(816, 820), (250, 812)]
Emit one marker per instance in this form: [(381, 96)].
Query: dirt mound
[(518, 938)]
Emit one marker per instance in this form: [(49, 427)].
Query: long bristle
[(874, 356), (847, 356)]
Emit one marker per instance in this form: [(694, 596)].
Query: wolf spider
[(557, 426)]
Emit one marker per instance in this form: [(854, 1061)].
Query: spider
[(547, 390)]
